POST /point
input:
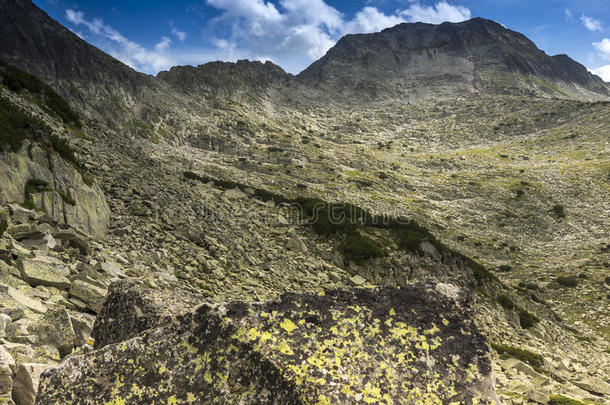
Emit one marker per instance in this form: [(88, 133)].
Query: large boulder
[(45, 271), (132, 307), (25, 382), (88, 212), (387, 345)]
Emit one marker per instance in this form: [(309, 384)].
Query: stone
[(6, 359), (296, 244), (234, 194), (358, 280), (26, 301), (594, 385), (25, 382), (40, 272), (297, 349), (540, 397), (111, 268), (54, 329), (5, 320), (92, 296)]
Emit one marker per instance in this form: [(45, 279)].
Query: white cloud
[(181, 35), (163, 45), (603, 72), (122, 48), (372, 20), (603, 47), (590, 23), (437, 14), (568, 14)]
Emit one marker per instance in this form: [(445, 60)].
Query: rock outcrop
[(67, 198), (410, 345)]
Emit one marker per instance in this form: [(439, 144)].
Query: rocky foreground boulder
[(412, 345)]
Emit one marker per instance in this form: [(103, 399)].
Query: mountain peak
[(416, 60)]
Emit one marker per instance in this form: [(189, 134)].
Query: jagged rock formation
[(419, 60), (227, 80), (412, 345)]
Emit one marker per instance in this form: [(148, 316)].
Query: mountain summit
[(424, 60)]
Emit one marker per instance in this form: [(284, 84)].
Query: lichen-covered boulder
[(388, 346), (132, 307)]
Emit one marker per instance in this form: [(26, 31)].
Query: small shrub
[(506, 302), (3, 226), (17, 80), (359, 248), (533, 359), (567, 281), (67, 198), (607, 280), (527, 319), (562, 400), (505, 268), (529, 286), (559, 211)]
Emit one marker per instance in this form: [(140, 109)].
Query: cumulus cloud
[(603, 72), (298, 31), (436, 14), (592, 24), (372, 20), (603, 47), (122, 48)]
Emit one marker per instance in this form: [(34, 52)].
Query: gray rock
[(54, 329), (234, 194), (46, 273), (91, 295), (25, 382), (594, 385)]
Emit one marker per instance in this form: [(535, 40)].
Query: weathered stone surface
[(46, 273), (25, 382), (23, 300), (92, 296), (594, 385), (54, 328), (132, 307), (403, 345)]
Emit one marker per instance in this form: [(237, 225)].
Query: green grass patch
[(563, 400), (505, 302), (567, 281), (533, 359)]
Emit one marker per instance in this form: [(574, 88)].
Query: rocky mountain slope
[(414, 61), (207, 189)]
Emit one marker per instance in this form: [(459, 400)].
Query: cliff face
[(424, 60)]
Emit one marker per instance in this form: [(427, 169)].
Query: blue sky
[(155, 35)]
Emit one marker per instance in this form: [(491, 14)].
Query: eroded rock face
[(382, 345), (90, 213)]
